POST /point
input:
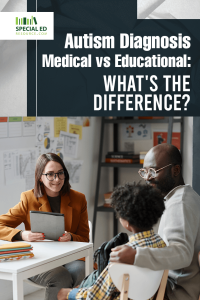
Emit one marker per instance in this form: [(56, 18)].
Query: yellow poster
[(60, 124), (29, 119), (77, 129)]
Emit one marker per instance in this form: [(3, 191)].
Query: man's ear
[(176, 170)]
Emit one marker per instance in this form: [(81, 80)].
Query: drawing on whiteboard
[(11, 166), (27, 163), (46, 128), (39, 133), (70, 144), (47, 143), (74, 169)]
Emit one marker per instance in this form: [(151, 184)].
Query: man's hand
[(62, 294), (66, 237), (29, 236), (123, 254)]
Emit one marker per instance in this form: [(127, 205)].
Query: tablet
[(49, 223)]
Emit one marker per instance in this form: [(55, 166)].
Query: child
[(138, 208)]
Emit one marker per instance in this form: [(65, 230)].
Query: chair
[(138, 283), (144, 283), (43, 287), (90, 233)]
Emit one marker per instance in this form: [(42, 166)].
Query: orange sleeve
[(14, 217), (82, 232)]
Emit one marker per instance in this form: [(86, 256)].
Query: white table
[(48, 255)]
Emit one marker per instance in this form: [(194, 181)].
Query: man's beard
[(165, 185)]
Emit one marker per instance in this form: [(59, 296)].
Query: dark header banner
[(104, 61)]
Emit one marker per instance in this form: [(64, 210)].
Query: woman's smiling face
[(52, 188)]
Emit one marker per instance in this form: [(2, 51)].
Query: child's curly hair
[(141, 205)]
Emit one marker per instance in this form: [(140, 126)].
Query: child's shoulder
[(146, 239)]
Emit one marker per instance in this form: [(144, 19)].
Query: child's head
[(137, 205)]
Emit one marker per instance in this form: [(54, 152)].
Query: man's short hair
[(175, 155)]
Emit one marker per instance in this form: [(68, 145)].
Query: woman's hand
[(66, 237), (29, 236)]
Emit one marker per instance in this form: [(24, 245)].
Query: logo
[(26, 26), (25, 21)]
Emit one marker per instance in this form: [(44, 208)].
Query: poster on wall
[(140, 131), (160, 137)]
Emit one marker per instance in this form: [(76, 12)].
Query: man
[(180, 224)]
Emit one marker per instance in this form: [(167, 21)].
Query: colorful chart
[(60, 155), (47, 143)]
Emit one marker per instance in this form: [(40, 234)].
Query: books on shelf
[(122, 161), (107, 205), (123, 157), (120, 153), (15, 251), (107, 199)]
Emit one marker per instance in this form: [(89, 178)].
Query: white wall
[(188, 150)]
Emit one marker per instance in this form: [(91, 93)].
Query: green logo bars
[(25, 21)]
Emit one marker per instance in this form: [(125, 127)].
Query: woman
[(52, 192)]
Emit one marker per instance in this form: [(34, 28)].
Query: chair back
[(143, 282), (90, 233)]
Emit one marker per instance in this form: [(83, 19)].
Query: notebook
[(49, 223), (15, 251)]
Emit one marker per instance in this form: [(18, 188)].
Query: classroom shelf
[(116, 166), (105, 209)]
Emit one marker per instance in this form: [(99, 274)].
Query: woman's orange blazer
[(73, 206)]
